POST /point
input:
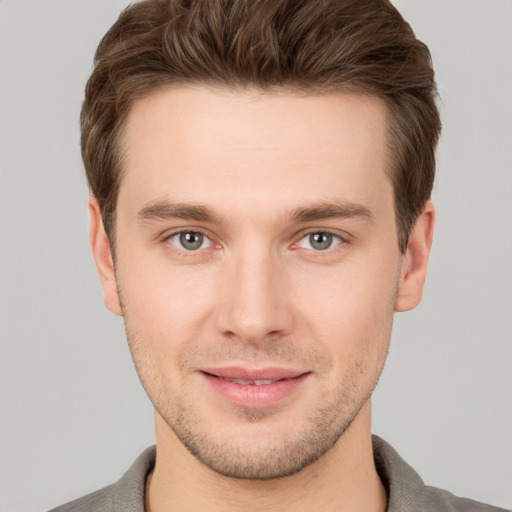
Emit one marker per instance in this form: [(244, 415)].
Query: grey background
[(73, 415)]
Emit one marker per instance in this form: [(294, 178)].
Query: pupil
[(191, 240), (321, 241)]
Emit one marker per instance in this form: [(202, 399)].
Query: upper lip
[(241, 373)]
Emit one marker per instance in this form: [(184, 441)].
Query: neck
[(343, 479)]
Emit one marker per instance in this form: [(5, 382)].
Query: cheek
[(165, 298), (350, 309), (161, 317), (359, 291)]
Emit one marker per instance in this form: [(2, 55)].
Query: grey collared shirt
[(406, 490)]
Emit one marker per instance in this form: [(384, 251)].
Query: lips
[(254, 388)]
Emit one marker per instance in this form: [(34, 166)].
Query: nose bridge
[(256, 306)]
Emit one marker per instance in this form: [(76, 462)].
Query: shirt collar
[(404, 486)]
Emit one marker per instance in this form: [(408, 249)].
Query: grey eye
[(190, 240), (319, 241)]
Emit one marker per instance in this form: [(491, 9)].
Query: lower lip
[(254, 396)]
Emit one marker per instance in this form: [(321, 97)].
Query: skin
[(270, 169)]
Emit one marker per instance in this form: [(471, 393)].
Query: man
[(260, 177)]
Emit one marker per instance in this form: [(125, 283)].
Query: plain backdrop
[(73, 414)]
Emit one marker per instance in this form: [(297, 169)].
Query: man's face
[(258, 269)]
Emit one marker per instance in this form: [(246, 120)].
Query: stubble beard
[(287, 453), (280, 458), (284, 456)]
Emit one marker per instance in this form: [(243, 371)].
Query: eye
[(319, 241), (190, 240)]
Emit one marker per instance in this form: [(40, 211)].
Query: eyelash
[(189, 252), (337, 240)]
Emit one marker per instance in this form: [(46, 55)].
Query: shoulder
[(125, 495), (98, 501), (441, 500), (407, 492)]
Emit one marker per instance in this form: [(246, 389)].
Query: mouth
[(254, 388), (245, 382)]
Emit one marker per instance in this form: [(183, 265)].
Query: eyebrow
[(164, 210), (331, 210)]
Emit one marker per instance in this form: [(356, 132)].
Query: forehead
[(252, 147)]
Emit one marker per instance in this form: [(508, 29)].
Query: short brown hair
[(314, 46)]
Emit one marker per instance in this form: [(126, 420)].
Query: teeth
[(251, 382)]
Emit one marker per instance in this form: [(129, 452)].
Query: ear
[(102, 255), (415, 260)]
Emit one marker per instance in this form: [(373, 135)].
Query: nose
[(256, 304)]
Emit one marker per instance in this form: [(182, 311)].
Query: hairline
[(119, 142)]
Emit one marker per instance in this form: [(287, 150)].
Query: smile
[(258, 388)]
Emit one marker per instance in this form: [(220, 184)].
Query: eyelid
[(178, 231), (341, 238)]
